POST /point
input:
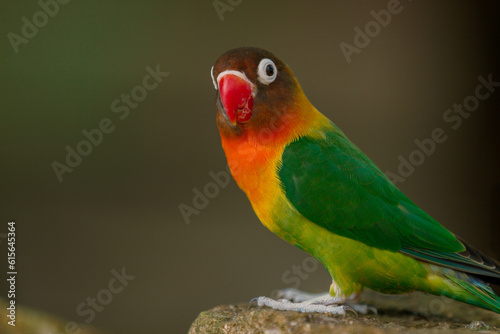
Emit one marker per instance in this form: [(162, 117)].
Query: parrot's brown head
[(255, 90)]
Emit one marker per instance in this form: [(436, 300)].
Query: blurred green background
[(119, 207)]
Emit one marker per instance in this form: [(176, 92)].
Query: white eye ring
[(266, 65), (213, 79)]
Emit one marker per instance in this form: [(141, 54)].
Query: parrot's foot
[(297, 296), (311, 306), (296, 300)]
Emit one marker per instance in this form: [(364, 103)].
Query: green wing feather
[(336, 186)]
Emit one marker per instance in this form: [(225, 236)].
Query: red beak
[(236, 97)]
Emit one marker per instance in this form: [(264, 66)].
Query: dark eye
[(267, 71)]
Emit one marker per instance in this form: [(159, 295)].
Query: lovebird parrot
[(310, 185)]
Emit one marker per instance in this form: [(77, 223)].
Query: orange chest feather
[(253, 165), (254, 157)]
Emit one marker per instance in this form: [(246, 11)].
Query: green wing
[(334, 185)]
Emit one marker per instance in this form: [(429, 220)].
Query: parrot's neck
[(254, 156)]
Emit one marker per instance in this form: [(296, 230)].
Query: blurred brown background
[(119, 207)]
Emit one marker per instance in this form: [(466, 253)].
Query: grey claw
[(253, 301), (350, 309)]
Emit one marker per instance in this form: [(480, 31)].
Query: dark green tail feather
[(479, 294), (454, 261)]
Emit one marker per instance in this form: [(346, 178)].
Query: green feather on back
[(334, 185)]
